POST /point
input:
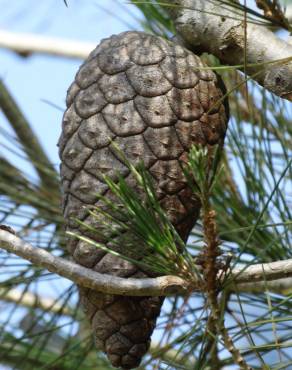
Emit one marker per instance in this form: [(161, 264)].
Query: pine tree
[(227, 306)]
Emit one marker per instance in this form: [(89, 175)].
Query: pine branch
[(210, 26), (273, 11), (31, 300), (165, 285), (280, 286), (211, 252), (266, 273), (26, 44)]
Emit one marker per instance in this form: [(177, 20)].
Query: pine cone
[(146, 94)]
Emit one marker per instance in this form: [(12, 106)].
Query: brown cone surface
[(146, 94)]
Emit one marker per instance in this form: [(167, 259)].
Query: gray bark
[(210, 26), (241, 278)]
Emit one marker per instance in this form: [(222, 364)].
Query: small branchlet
[(203, 169), (274, 12), (202, 172)]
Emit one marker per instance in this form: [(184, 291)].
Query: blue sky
[(39, 79)]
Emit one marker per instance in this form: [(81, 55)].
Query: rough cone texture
[(146, 94)]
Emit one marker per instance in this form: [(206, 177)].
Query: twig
[(254, 273), (171, 355), (26, 44), (280, 286), (273, 11), (165, 285), (207, 26), (31, 300), (160, 286), (211, 252)]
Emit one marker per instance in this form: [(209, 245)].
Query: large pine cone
[(146, 94)]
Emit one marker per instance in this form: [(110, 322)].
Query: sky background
[(39, 80)]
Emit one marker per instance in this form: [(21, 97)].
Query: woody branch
[(219, 29), (240, 278)]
